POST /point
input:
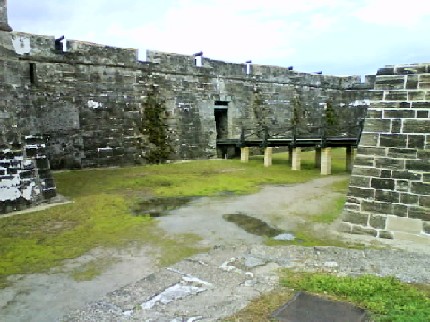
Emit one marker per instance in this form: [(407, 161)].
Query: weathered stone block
[(412, 82), (422, 114), (355, 218), (373, 114), (378, 125), (424, 85), (376, 95), (409, 199), (387, 196), (416, 95), (390, 105), (359, 181), (416, 141), (416, 126), (377, 207), (390, 82), (366, 171), (385, 71), (424, 201), (387, 163), (402, 185), (362, 160), (398, 114), (403, 224), (386, 174), (369, 139), (419, 213), (362, 192), (377, 221), (420, 188), (393, 140), (396, 126), (364, 231), (396, 96), (400, 210), (402, 153), (418, 165), (423, 154), (352, 206), (420, 105)]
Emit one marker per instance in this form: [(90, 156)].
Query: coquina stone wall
[(389, 194), (90, 101)]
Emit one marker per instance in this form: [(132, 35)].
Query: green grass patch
[(330, 215), (386, 298), (101, 214)]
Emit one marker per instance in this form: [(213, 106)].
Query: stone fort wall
[(88, 103), (72, 104), (389, 194)]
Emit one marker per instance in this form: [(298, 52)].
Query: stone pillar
[(268, 157), (244, 154), (326, 161), (317, 157), (349, 158), (296, 161), (4, 26)]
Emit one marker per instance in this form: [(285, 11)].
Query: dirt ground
[(49, 296)]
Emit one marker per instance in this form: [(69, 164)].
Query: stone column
[(349, 158), (244, 154), (268, 157), (326, 161), (4, 26), (317, 157), (296, 161)]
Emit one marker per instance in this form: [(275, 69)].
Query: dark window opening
[(221, 121), (221, 103), (33, 74)]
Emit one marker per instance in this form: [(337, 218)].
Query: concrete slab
[(305, 307)]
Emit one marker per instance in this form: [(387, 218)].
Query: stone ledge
[(404, 225)]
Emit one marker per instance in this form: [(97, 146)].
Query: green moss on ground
[(103, 199)]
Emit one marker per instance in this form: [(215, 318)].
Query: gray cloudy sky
[(339, 37)]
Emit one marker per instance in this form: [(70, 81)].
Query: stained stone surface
[(215, 285), (305, 307)]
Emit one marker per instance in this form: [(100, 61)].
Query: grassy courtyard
[(101, 212)]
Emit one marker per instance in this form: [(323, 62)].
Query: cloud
[(337, 36), (399, 14)]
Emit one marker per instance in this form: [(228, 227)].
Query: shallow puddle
[(158, 207), (252, 225)]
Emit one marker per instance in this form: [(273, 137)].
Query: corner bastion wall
[(389, 193)]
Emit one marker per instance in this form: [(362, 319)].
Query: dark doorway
[(221, 120)]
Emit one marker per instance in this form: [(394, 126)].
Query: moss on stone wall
[(154, 127), (260, 112)]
